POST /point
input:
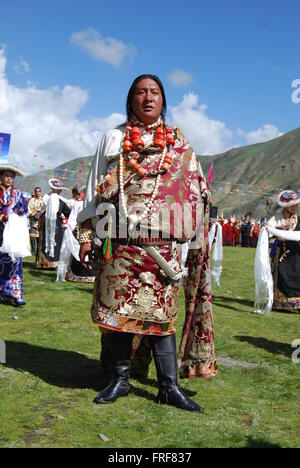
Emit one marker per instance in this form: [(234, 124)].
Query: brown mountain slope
[(249, 178)]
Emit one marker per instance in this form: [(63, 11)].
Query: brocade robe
[(131, 294)]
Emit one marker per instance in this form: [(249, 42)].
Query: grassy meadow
[(52, 374)]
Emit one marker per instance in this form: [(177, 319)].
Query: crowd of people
[(139, 168), (243, 231), (46, 218)]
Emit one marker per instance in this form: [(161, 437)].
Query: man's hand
[(3, 218), (86, 251)]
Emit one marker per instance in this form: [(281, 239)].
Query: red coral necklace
[(131, 148), (133, 144), (12, 196)]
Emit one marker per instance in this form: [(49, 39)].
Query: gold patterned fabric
[(131, 296)]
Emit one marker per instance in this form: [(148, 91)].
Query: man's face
[(7, 178), (37, 193), (147, 101)]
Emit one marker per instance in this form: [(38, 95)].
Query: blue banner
[(4, 147)]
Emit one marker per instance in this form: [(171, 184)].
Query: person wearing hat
[(12, 248), (285, 254), (52, 223)]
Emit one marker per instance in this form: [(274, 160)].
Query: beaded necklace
[(131, 148), (290, 222)]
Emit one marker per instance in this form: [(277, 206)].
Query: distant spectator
[(34, 213), (246, 231), (51, 226)]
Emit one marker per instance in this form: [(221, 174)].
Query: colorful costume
[(285, 255), (34, 213), (12, 201), (132, 293)]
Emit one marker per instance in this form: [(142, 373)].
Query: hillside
[(249, 178), (70, 173), (244, 179)]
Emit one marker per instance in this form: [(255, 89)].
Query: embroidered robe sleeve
[(107, 149)]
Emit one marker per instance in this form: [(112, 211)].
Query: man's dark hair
[(37, 188), (132, 88)]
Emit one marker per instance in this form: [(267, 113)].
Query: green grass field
[(52, 374)]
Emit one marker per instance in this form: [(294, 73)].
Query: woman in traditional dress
[(51, 226), (139, 169), (12, 202), (285, 254)]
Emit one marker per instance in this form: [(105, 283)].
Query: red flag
[(210, 173)]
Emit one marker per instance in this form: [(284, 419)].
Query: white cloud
[(45, 122), (180, 78), (207, 136), (107, 49), (22, 66), (267, 132)]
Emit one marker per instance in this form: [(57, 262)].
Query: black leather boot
[(120, 355), (164, 352)]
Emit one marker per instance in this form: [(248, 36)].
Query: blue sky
[(66, 68)]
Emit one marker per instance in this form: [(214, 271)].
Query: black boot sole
[(99, 401), (198, 409)]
